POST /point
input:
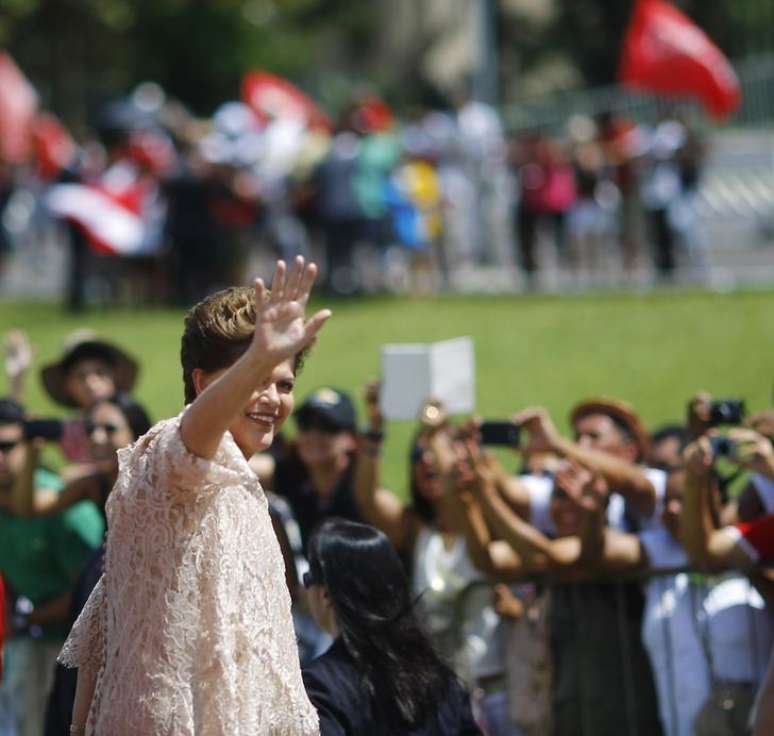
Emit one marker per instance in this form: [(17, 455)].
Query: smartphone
[(45, 429), (727, 411), (499, 433)]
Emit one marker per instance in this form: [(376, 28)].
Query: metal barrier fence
[(756, 78), (602, 654)]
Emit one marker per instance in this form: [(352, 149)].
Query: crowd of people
[(162, 206), (603, 583)]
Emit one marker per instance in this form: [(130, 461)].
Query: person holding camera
[(88, 370), (40, 559), (596, 648), (707, 640), (456, 597)]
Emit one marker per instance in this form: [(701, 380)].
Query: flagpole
[(486, 71)]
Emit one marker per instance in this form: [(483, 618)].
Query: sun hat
[(621, 412), (84, 344)]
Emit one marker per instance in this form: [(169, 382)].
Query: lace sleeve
[(86, 642), (181, 473)]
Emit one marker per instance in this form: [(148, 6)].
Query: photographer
[(456, 598), (610, 441), (708, 641), (594, 627), (89, 369), (40, 559), (735, 546)]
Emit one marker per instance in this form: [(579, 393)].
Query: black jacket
[(336, 689)]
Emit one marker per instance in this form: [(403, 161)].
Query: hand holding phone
[(503, 434)]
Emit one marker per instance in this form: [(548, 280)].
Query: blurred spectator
[(430, 532), (666, 447), (708, 641), (610, 439), (315, 473), (113, 423), (88, 370), (662, 187), (622, 142), (547, 191), (589, 223), (40, 558)]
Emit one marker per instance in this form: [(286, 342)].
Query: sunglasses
[(109, 429), (9, 445), (308, 423)]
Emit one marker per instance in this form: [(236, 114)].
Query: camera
[(722, 447), (499, 433), (726, 411), (44, 429)]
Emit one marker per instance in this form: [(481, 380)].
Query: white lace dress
[(190, 625)]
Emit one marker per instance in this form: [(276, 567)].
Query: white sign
[(413, 373)]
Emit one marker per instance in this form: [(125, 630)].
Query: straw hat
[(83, 344), (620, 411)]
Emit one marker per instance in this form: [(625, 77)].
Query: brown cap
[(85, 344), (621, 412)]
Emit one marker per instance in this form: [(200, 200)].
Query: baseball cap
[(331, 404)]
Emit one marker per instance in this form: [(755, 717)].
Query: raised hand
[(587, 491), (543, 435), (754, 451), (371, 401), (18, 353), (18, 358), (281, 328)]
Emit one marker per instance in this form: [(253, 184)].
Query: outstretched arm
[(625, 478), (378, 505), (281, 332), (707, 547), (18, 358)]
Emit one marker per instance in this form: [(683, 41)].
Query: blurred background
[(153, 151)]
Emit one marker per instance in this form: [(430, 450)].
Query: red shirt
[(759, 536)]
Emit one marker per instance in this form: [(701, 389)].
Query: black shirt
[(335, 687), (292, 482)]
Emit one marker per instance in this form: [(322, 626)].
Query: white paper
[(415, 372)]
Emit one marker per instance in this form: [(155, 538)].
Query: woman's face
[(565, 514), (263, 416), (90, 380), (108, 431), (321, 609), (427, 477)]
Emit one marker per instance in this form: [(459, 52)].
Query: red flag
[(271, 96), (53, 146), (18, 102), (666, 52), (119, 214)]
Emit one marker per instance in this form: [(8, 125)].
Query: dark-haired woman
[(110, 425), (457, 600), (381, 675)]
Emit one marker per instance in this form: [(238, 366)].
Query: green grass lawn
[(654, 351)]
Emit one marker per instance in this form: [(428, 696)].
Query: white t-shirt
[(690, 626), (451, 601), (540, 488)]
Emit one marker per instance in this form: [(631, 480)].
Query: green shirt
[(41, 557)]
